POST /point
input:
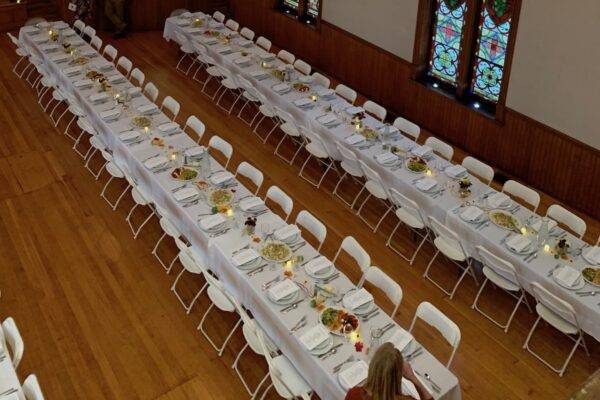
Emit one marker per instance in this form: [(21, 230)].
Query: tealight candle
[(354, 336), (428, 172), (546, 248), (524, 231), (314, 97), (229, 213), (146, 130)]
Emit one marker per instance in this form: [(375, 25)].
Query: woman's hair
[(385, 373)]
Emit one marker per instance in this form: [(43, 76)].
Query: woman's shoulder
[(357, 393)]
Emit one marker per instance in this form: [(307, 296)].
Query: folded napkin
[(314, 337), (426, 184), (105, 67), (245, 256), (188, 14), (244, 42), (208, 39), (129, 136), (357, 299), (134, 91), (422, 151), (69, 32), (110, 114), (537, 225), (286, 232), (314, 267), (148, 108), (117, 78), (267, 56), (212, 221), (77, 42), (224, 49), (567, 276), (389, 129), (44, 24), (98, 97), (215, 24), (168, 127), (156, 162), (518, 243), (259, 74), (83, 83), (455, 171), (497, 199), (49, 48), (354, 375), (221, 177), (60, 25), (72, 71), (327, 119), (471, 213), (353, 110), (400, 339), (242, 60), (193, 30), (386, 158), (251, 202), (593, 254), (281, 87), (40, 39), (182, 22), (30, 28), (195, 151), (306, 79), (325, 92), (185, 194), (89, 53), (355, 139), (303, 102), (282, 289)]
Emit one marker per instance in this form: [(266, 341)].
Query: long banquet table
[(216, 251), (444, 207)]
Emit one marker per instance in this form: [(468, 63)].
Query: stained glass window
[(490, 54), (291, 5), (447, 34), (313, 8)]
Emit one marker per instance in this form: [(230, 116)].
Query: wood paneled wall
[(520, 147)]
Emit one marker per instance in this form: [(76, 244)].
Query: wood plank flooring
[(95, 308)]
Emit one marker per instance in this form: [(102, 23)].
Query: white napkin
[(60, 25), (314, 336), (303, 102), (193, 30), (354, 110), (244, 42), (455, 171), (242, 60), (567, 276), (182, 22), (426, 184), (327, 119), (497, 199), (221, 177), (148, 108), (88, 53), (168, 127), (224, 49), (267, 56), (106, 67), (390, 129), (195, 151), (593, 254), (30, 28), (245, 256), (208, 39), (518, 243), (215, 24), (259, 74), (325, 92), (155, 162), (40, 39), (401, 338), (313, 267), (69, 32), (185, 194), (385, 158), (281, 87), (286, 232), (110, 114), (354, 375), (129, 135), (49, 48), (250, 202), (282, 289), (422, 151), (357, 299), (355, 139), (59, 58), (471, 213), (212, 221), (116, 78), (537, 225), (83, 83), (72, 70), (98, 97), (306, 79)]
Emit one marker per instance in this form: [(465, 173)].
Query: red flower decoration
[(358, 346)]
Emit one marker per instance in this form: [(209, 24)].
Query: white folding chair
[(409, 128), (291, 131), (12, 337), (23, 54), (521, 191), (345, 92), (151, 91), (321, 80), (140, 198), (351, 168), (302, 66), (116, 172), (193, 266), (196, 126), (138, 76), (441, 148), (316, 228), (188, 51), (410, 214), (202, 60), (267, 110), (86, 129), (172, 105), (229, 84), (284, 378), (377, 189), (429, 314), (169, 229), (263, 43), (31, 388), (503, 275), (478, 168), (566, 217), (562, 316), (286, 56), (222, 146), (316, 150), (79, 26), (375, 109), (252, 173), (110, 53), (222, 300), (125, 64), (387, 285), (284, 201), (247, 33), (232, 25), (97, 146), (219, 16), (250, 96), (89, 32), (96, 43), (448, 243), (351, 247), (214, 71)]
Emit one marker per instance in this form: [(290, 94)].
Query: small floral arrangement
[(561, 249), (464, 184), (358, 346), (250, 225)]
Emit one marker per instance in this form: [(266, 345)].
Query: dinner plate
[(216, 227), (289, 299), (323, 347), (250, 264), (527, 250), (579, 284), (585, 256), (475, 221), (189, 199), (322, 274)]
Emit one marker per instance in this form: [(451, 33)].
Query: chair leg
[(414, 255), (462, 276), (266, 391), (382, 218), (201, 328), (118, 200), (186, 307)]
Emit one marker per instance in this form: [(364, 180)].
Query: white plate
[(323, 347), (322, 274), (250, 264), (584, 255), (578, 285), (286, 300)]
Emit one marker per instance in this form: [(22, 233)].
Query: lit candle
[(229, 212), (146, 130), (524, 231), (354, 336), (428, 172), (546, 248), (314, 97)]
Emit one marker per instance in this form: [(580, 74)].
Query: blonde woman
[(386, 371)]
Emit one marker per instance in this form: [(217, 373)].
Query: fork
[(339, 366)]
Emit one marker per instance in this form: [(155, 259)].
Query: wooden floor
[(95, 308)]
